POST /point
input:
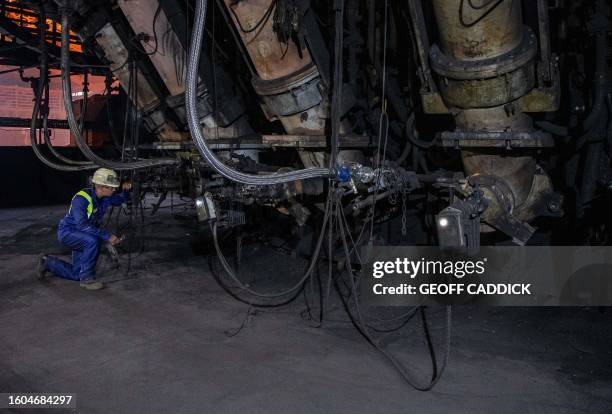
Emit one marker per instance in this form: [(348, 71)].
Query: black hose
[(362, 326), (295, 288), (42, 81), (39, 154), (72, 122), (84, 102), (196, 130), (413, 135), (47, 138)]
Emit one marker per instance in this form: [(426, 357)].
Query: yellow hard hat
[(106, 177)]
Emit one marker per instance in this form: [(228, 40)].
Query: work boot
[(41, 268), (92, 285)]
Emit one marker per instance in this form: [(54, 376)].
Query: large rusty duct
[(169, 57), (485, 62), (148, 102), (284, 75)]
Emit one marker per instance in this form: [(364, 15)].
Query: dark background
[(28, 182)]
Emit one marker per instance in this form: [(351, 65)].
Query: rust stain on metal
[(271, 58), (466, 35)]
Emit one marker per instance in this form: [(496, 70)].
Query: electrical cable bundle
[(196, 130), (43, 86), (333, 217), (74, 126)]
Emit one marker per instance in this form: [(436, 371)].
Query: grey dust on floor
[(165, 337)]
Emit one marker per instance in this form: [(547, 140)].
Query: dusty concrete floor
[(157, 340)]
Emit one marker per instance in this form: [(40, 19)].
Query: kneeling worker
[(80, 230)]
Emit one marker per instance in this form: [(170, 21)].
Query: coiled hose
[(196, 131), (74, 125)]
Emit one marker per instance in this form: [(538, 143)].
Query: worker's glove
[(114, 240)]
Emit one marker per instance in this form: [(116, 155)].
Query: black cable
[(43, 80), (74, 128), (359, 322), (245, 320), (155, 50), (35, 114), (199, 137), (46, 132), (430, 347), (403, 320), (481, 17), (412, 135), (264, 19), (84, 102), (308, 310), (482, 6), (138, 47), (288, 291)]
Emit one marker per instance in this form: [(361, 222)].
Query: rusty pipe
[(270, 58), (285, 75), (478, 29), (485, 39)]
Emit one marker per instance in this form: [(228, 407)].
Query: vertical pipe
[(471, 31)]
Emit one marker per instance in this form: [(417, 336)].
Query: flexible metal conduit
[(196, 131), (74, 126)]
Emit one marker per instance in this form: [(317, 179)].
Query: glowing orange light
[(27, 18)]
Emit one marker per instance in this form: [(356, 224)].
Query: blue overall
[(80, 230)]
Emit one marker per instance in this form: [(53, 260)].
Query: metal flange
[(518, 57), (488, 82)]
